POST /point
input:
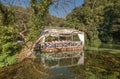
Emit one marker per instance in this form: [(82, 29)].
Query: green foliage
[(111, 23), (9, 32), (99, 21), (7, 15), (6, 60), (85, 19), (9, 46), (40, 9), (90, 75)]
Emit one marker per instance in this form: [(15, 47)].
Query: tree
[(99, 20), (40, 9), (8, 36), (14, 27), (85, 19), (7, 15), (9, 30)]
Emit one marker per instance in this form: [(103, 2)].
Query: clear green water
[(100, 63)]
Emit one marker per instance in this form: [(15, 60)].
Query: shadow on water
[(99, 63)]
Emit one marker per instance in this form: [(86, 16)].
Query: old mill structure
[(57, 40)]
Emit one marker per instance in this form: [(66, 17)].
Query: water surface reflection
[(62, 59), (98, 64)]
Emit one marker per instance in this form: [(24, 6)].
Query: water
[(99, 63), (62, 59)]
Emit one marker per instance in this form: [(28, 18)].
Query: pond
[(99, 63)]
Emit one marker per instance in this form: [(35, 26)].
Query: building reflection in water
[(62, 59)]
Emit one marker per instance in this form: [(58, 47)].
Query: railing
[(60, 44)]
